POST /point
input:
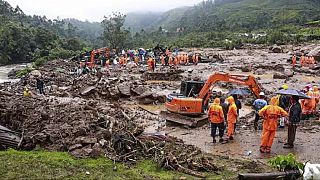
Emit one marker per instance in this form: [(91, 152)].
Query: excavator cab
[(191, 88), (184, 102)]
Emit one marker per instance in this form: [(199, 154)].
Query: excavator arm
[(247, 80)]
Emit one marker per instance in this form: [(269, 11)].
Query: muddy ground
[(90, 115)]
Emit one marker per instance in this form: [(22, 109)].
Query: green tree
[(114, 34)]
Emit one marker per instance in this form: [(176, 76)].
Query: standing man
[(294, 118), (294, 61), (239, 106), (258, 104), (40, 86), (216, 117), (225, 108), (232, 117), (270, 114)]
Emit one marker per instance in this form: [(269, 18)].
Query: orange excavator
[(104, 50), (188, 106)]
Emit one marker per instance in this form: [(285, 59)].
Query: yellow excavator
[(187, 107)]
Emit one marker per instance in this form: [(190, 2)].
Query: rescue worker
[(166, 60), (309, 105), (294, 61), (151, 64), (316, 94), (196, 60), (162, 59), (312, 60), (294, 118), (185, 58), (270, 114), (136, 60), (258, 104), (175, 62), (239, 106), (40, 86), (225, 108), (284, 100), (231, 117), (216, 117), (302, 60), (170, 60), (26, 92)]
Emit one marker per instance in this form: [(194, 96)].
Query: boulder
[(87, 90), (278, 75), (289, 73), (246, 68), (276, 49), (35, 73), (124, 89), (315, 52), (12, 73)]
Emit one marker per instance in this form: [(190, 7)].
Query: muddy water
[(247, 142), (4, 70)]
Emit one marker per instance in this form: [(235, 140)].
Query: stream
[(4, 70)]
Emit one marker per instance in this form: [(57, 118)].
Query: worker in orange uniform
[(175, 62), (151, 64), (162, 59), (231, 117), (271, 114), (309, 105), (294, 61), (312, 60), (136, 60), (185, 58), (170, 60), (216, 117), (196, 59), (302, 60), (316, 94)]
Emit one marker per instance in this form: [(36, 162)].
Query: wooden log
[(266, 176)]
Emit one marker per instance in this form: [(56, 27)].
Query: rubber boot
[(268, 150), (262, 149)]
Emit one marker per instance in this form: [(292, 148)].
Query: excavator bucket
[(189, 121)]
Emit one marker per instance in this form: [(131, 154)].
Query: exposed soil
[(116, 113)]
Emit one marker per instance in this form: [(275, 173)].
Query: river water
[(4, 70)]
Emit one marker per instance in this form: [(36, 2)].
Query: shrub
[(285, 163)]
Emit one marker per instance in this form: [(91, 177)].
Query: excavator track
[(192, 122)]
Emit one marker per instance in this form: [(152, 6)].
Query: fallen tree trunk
[(275, 175)]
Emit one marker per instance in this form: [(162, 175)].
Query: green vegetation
[(284, 163), (222, 23), (29, 38), (60, 165)]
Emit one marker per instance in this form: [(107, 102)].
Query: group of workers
[(288, 107), (131, 58), (221, 111), (304, 60)]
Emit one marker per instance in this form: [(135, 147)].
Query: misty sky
[(94, 10)]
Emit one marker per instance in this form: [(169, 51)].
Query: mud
[(116, 112)]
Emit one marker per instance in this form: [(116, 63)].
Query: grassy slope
[(60, 165)]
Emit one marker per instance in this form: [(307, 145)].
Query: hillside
[(234, 15), (153, 20), (26, 38), (89, 31)]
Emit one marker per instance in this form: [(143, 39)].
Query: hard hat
[(285, 86), (261, 94)]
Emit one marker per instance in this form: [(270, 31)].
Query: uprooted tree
[(114, 35)]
